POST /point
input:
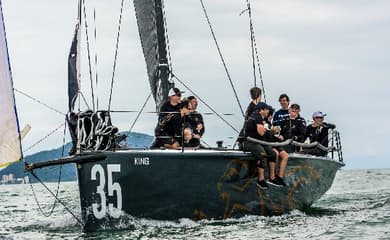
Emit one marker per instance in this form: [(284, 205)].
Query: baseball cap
[(295, 106), (318, 114), (174, 91)]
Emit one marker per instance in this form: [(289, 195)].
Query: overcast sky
[(332, 56)]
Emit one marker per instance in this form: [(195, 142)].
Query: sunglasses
[(320, 117)]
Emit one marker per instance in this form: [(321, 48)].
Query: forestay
[(10, 147)]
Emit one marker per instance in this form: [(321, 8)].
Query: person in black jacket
[(318, 131), (256, 129), (174, 129), (196, 121), (255, 93), (294, 127)]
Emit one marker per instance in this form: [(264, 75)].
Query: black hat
[(263, 105), (295, 106)]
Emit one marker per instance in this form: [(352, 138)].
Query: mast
[(10, 139), (151, 28)]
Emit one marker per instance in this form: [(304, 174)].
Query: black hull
[(195, 184)]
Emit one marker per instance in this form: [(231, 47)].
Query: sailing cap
[(263, 105), (174, 91), (295, 106), (318, 114)]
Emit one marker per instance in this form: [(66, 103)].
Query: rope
[(45, 137), (38, 101), (116, 55), (254, 50), (58, 184), (139, 113), (59, 200), (222, 59), (89, 56), (200, 99)]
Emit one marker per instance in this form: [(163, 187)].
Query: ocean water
[(356, 207)]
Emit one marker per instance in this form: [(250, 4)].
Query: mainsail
[(151, 27), (10, 146)]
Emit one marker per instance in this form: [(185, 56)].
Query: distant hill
[(68, 171)]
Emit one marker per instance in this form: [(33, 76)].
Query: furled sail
[(151, 28), (10, 146), (74, 64)]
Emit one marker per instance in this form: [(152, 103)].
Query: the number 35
[(100, 209)]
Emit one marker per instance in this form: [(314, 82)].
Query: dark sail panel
[(151, 28), (74, 63), (73, 83)]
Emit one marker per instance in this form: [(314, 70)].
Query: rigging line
[(139, 113), (84, 99), (38, 101), (58, 183), (116, 55), (96, 58), (166, 37), (205, 143), (254, 45), (211, 109), (89, 55), (222, 59), (59, 200), (45, 137)]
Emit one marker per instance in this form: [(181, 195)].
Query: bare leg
[(283, 163), (260, 171), (272, 166), (187, 135)]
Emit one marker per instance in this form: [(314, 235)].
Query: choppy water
[(357, 206)]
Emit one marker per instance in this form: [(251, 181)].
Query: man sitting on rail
[(255, 129), (318, 131), (174, 129), (294, 127)]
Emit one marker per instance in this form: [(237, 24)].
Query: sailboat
[(116, 183)]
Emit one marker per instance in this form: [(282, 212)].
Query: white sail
[(10, 146)]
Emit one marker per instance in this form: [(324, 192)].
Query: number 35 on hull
[(103, 198)]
